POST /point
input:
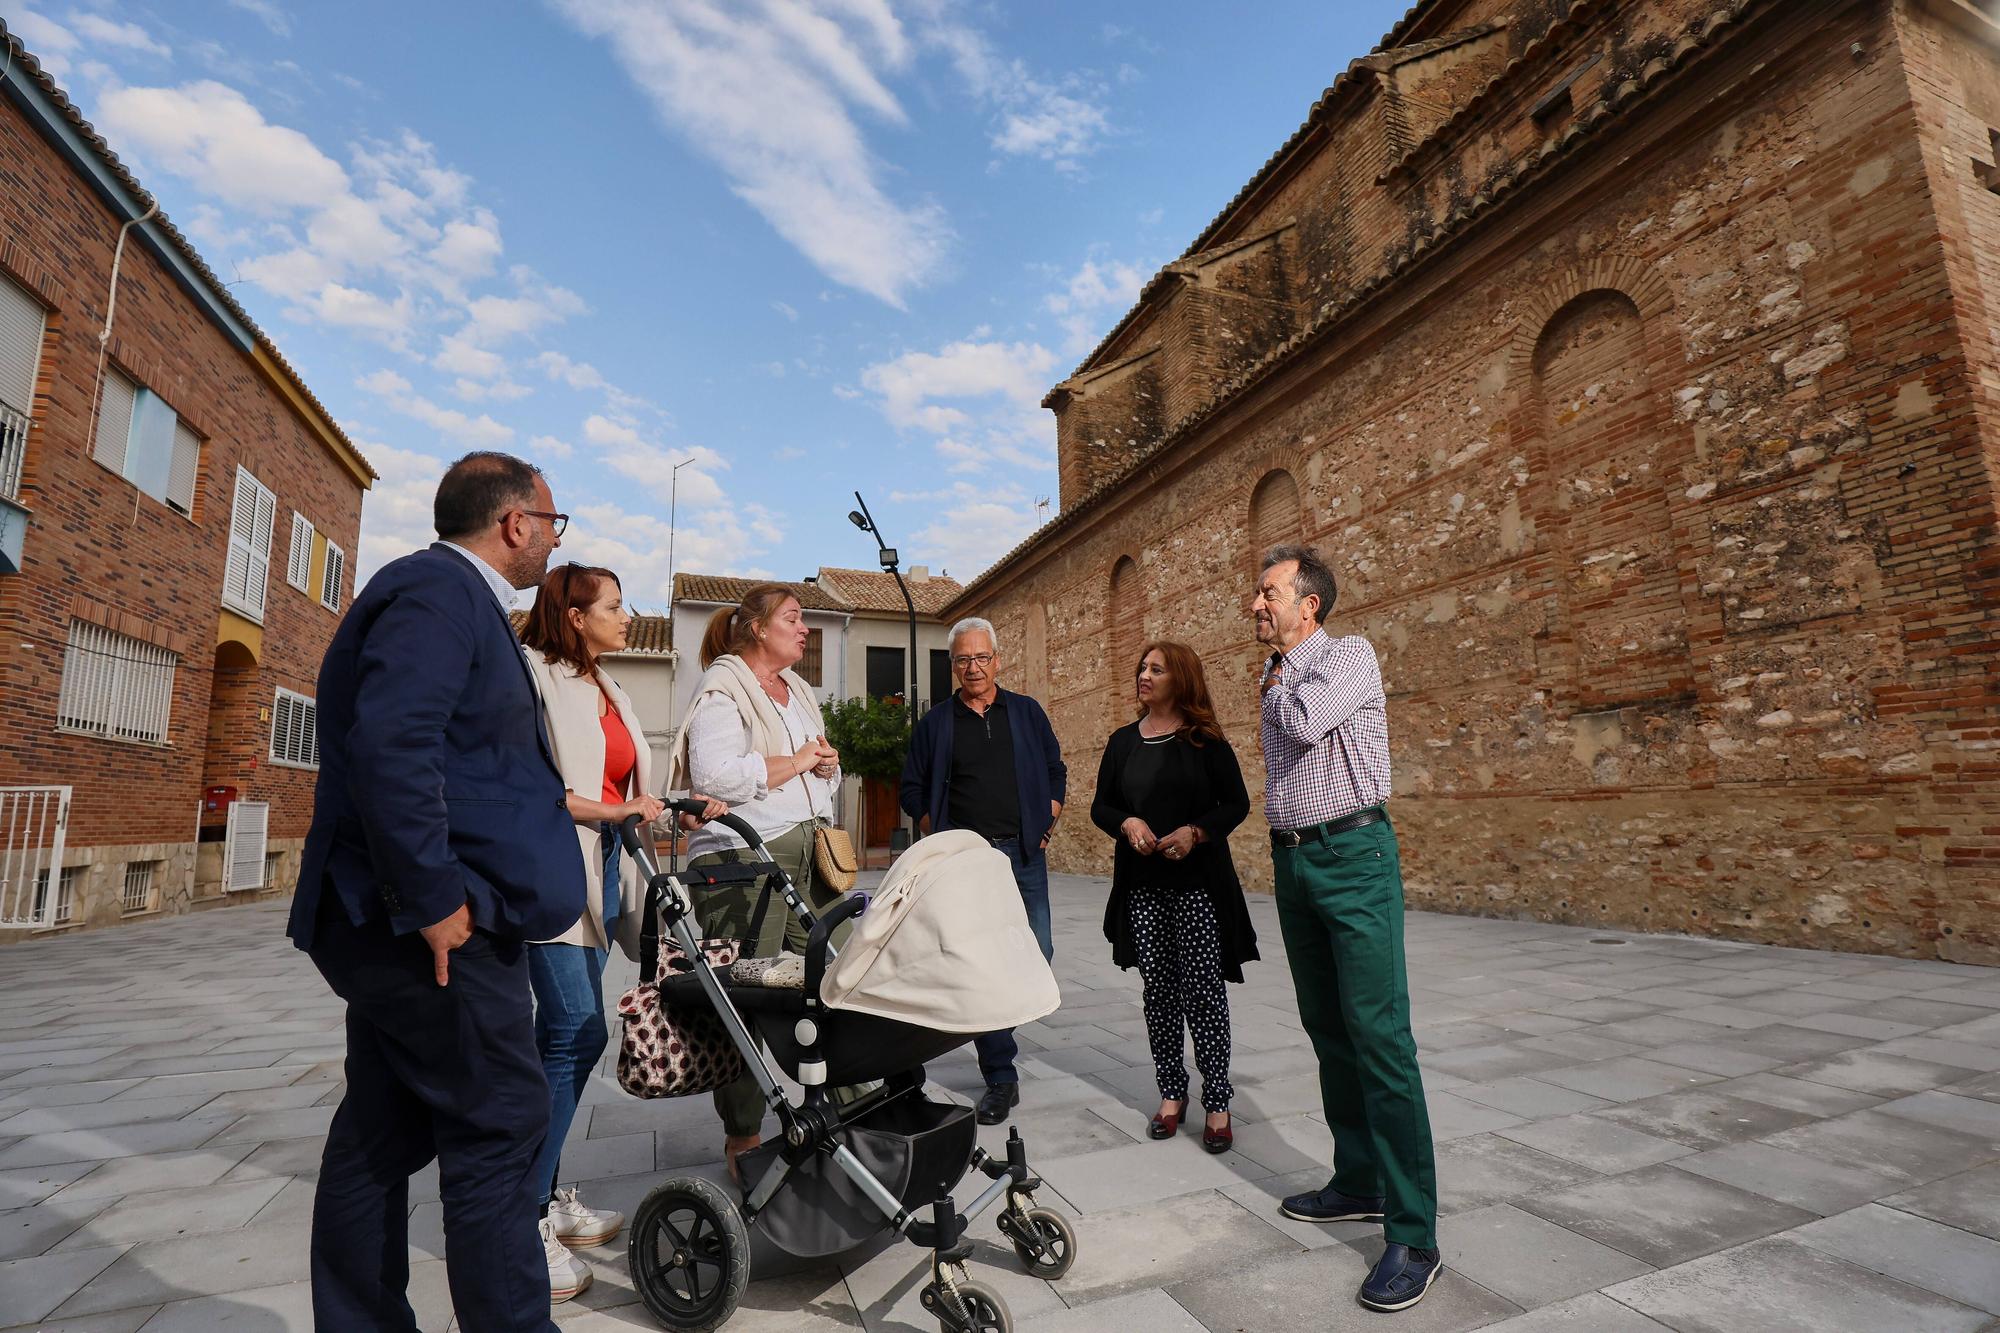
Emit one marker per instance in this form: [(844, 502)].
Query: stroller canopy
[(945, 944)]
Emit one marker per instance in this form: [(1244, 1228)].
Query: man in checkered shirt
[(1325, 731)]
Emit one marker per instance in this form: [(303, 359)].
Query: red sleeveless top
[(620, 756)]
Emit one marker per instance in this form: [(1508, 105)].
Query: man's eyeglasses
[(556, 521), (981, 660)]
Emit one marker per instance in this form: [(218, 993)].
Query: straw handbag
[(835, 866)]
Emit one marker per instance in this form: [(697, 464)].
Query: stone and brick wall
[(99, 550), (1663, 481)]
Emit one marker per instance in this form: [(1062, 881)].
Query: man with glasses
[(440, 843), (1325, 728), (987, 760)]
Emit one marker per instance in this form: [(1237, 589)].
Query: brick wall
[(100, 550), (1666, 495)]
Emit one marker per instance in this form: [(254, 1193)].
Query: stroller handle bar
[(628, 832)]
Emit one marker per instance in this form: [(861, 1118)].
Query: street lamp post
[(886, 556), (673, 507)]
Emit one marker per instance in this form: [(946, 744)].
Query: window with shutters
[(20, 360), (299, 557), (245, 844), (329, 583), (294, 730), (142, 439), (812, 666), (115, 686), (252, 513)]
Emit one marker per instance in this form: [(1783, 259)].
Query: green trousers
[(1340, 908), (725, 912)]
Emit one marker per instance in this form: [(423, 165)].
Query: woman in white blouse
[(754, 739)]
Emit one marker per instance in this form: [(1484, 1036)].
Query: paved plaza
[(1634, 1132)]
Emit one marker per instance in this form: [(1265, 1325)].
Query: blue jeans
[(570, 1031), (998, 1049)]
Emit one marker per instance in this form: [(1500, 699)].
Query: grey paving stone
[(1115, 1178), (170, 1213), (1152, 1310), (1665, 1215), (1486, 1063), (1969, 1201), (1724, 1058), (266, 1126), (157, 1272), (1924, 1012), (1855, 1025), (1627, 1078), (1454, 1117), (1600, 1145), (26, 1232), (1487, 1169), (1936, 1257), (1702, 1118), (1592, 1312), (32, 1289), (113, 1141), (1888, 1143), (1317, 1290), (1795, 1094), (29, 1185), (1529, 1098), (1967, 1115), (65, 1094), (1982, 1054), (1782, 1286), (1869, 1070), (1531, 1261), (119, 1321), (97, 1115), (158, 1171), (1149, 1245), (1811, 1183)]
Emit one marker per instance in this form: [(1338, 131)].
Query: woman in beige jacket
[(600, 747)]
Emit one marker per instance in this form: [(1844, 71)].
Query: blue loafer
[(1330, 1205), (1400, 1277)]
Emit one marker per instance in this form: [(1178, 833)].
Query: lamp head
[(855, 517), (887, 556)]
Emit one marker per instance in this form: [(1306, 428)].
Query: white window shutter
[(249, 824), (336, 566), (20, 346), (184, 470), (298, 559), (114, 421), (253, 512)]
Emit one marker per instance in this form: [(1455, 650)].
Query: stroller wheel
[(690, 1254), (984, 1311), (1056, 1236)]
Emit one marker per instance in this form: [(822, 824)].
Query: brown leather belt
[(1292, 837)]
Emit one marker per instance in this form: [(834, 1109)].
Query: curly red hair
[(1190, 690)]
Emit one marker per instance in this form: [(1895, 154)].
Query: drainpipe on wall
[(104, 334)]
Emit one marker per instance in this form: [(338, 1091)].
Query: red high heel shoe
[(1217, 1140), (1165, 1125)]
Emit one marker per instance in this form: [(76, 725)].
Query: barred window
[(64, 911), (138, 895), (812, 666), (115, 686), (295, 730)]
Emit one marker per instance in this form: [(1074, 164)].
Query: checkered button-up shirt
[(1325, 729)]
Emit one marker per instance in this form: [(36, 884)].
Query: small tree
[(872, 736)]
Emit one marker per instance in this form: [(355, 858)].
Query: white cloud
[(210, 134), (396, 511), (977, 525), (480, 391), (550, 447), (909, 384), (583, 376), (274, 18), (770, 92), (48, 39), (1059, 123), (787, 311), (1091, 298), (109, 32), (480, 432)]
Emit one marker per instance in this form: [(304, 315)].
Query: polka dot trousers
[(1180, 960)]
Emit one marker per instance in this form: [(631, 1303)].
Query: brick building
[(1633, 363), (179, 516)]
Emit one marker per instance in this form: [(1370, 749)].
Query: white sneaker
[(577, 1224), (568, 1274)]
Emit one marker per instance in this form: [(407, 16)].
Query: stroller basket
[(917, 1149)]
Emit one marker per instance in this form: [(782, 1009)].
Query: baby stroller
[(939, 960)]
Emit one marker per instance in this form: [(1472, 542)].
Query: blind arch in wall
[(1127, 607), (1277, 514)]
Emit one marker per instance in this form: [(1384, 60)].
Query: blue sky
[(815, 245)]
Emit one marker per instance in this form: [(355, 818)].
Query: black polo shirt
[(982, 792)]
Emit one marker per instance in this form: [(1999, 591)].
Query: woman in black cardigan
[(1169, 791)]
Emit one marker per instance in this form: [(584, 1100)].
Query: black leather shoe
[(1400, 1277), (1330, 1205), (999, 1099)]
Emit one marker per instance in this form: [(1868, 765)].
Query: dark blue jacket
[(1039, 774), (436, 784)]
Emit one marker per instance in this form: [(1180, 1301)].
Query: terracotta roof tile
[(722, 590), (875, 590), (649, 634)]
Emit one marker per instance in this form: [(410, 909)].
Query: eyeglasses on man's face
[(980, 660), (557, 522)]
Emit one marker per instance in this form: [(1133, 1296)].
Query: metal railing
[(13, 450), (33, 824)]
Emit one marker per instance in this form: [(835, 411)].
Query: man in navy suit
[(440, 843)]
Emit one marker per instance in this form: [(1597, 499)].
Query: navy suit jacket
[(1039, 773), (437, 787)]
